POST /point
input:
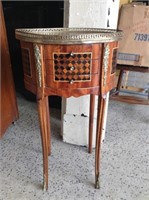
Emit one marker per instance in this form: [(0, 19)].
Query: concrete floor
[(124, 160)]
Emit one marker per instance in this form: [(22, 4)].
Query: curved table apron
[(69, 62)]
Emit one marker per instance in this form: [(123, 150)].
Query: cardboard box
[(134, 47)]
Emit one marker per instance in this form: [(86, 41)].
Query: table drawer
[(69, 50), (73, 82)]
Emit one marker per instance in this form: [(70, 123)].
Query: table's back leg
[(43, 116), (91, 122), (100, 119)]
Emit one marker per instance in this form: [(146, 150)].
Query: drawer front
[(69, 49), (93, 82)]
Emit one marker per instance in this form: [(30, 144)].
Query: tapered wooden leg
[(100, 119), (91, 122), (43, 114), (48, 126), (120, 78)]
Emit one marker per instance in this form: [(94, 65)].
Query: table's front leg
[(48, 125), (44, 119), (100, 119)]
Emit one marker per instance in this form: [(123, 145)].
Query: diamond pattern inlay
[(26, 61), (76, 67)]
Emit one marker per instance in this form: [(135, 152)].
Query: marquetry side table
[(69, 62)]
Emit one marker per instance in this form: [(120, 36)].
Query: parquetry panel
[(76, 67)]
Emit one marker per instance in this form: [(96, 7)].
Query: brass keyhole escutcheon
[(71, 81)]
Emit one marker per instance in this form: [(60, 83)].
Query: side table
[(69, 62)]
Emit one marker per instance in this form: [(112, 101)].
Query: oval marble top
[(68, 35)]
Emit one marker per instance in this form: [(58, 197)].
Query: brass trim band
[(68, 35)]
